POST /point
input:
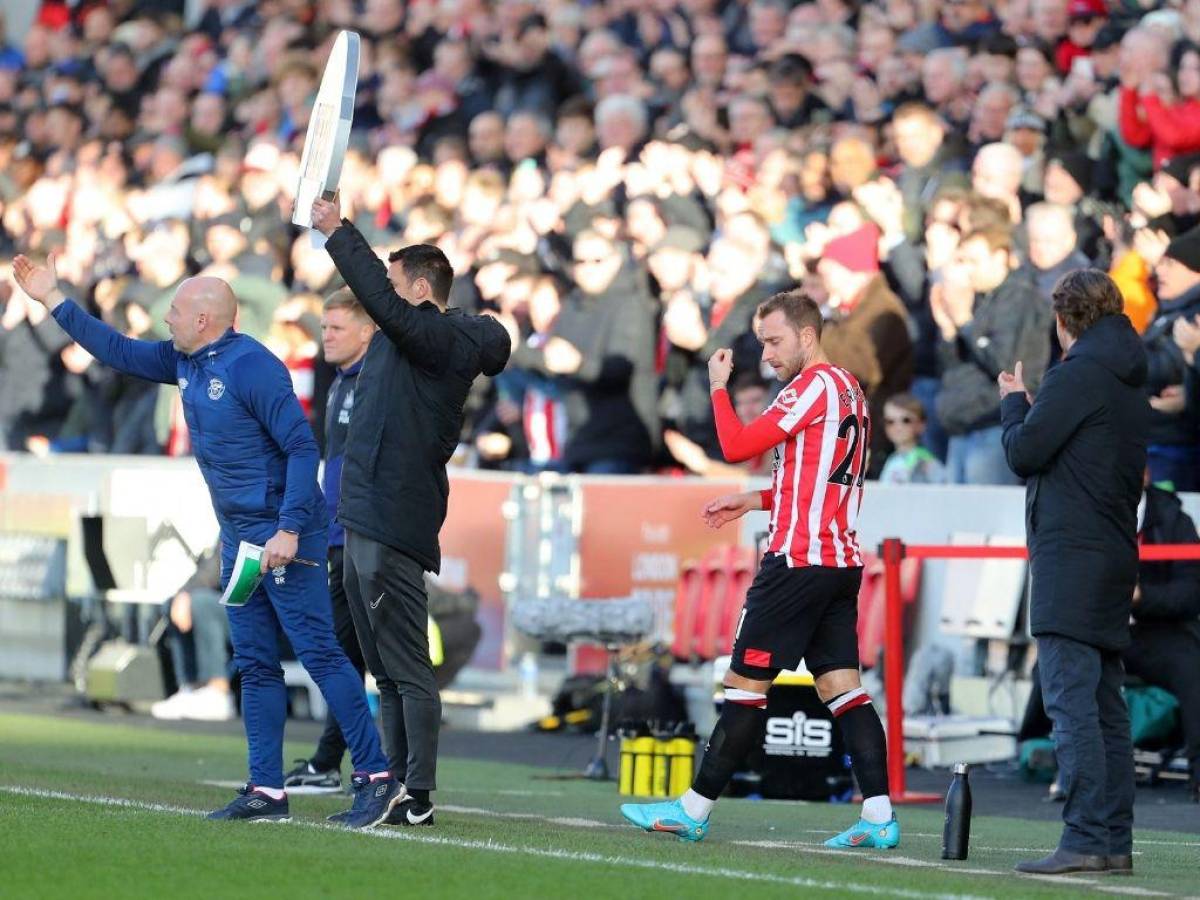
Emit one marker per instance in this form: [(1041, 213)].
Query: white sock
[(696, 806), (877, 810), (273, 793)]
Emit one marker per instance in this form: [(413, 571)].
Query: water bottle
[(957, 832), (529, 676)]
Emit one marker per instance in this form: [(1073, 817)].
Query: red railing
[(893, 551)]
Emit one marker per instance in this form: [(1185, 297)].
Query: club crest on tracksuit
[(216, 389), (347, 406), (183, 383)]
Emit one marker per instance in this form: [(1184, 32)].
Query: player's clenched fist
[(720, 367)]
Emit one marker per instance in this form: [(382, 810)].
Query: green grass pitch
[(110, 810)]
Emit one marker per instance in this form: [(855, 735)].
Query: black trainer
[(410, 811), (253, 805), (308, 779)]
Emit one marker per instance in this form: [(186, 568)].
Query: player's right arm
[(153, 361), (739, 442)]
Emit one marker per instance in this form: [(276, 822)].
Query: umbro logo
[(257, 804), (381, 790)]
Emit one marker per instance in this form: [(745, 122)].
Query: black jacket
[(1170, 590), (1082, 447), (1167, 367), (1010, 323), (611, 401), (408, 405)]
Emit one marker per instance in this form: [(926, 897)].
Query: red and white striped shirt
[(820, 428)]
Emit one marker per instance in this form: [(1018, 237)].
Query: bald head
[(203, 309)]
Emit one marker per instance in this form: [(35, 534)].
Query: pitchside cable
[(893, 552)]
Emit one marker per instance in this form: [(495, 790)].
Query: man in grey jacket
[(989, 316)]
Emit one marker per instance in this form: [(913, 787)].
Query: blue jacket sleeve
[(151, 360), (265, 387)]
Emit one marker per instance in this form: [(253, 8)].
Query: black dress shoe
[(1120, 865), (1063, 862)]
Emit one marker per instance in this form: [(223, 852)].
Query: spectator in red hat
[(1085, 18), (867, 330)]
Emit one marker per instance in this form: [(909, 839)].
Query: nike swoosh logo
[(375, 603), (857, 839), (672, 827), (417, 820)]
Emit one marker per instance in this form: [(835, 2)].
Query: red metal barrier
[(894, 551)]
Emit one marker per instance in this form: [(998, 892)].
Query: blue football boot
[(862, 835), (668, 817)]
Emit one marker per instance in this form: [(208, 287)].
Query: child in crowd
[(909, 463)]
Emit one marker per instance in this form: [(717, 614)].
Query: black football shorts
[(793, 613)]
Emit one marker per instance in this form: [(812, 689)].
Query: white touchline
[(638, 863), (907, 861), (541, 852)]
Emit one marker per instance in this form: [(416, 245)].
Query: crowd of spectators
[(621, 182)]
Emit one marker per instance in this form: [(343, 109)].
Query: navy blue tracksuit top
[(337, 426), (254, 447)]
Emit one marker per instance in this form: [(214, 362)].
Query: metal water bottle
[(957, 832)]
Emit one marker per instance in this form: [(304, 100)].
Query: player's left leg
[(300, 595), (862, 732), (833, 660), (772, 620), (738, 727)]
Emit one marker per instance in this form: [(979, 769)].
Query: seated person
[(199, 637), (1165, 645), (1164, 648)]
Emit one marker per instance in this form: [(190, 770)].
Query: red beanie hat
[(858, 251)]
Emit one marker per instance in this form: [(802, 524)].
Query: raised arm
[(740, 442), (143, 359), (151, 360), (423, 335)]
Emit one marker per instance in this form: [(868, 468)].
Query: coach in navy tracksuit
[(346, 332), (259, 458)]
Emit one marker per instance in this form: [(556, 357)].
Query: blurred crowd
[(621, 183)]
